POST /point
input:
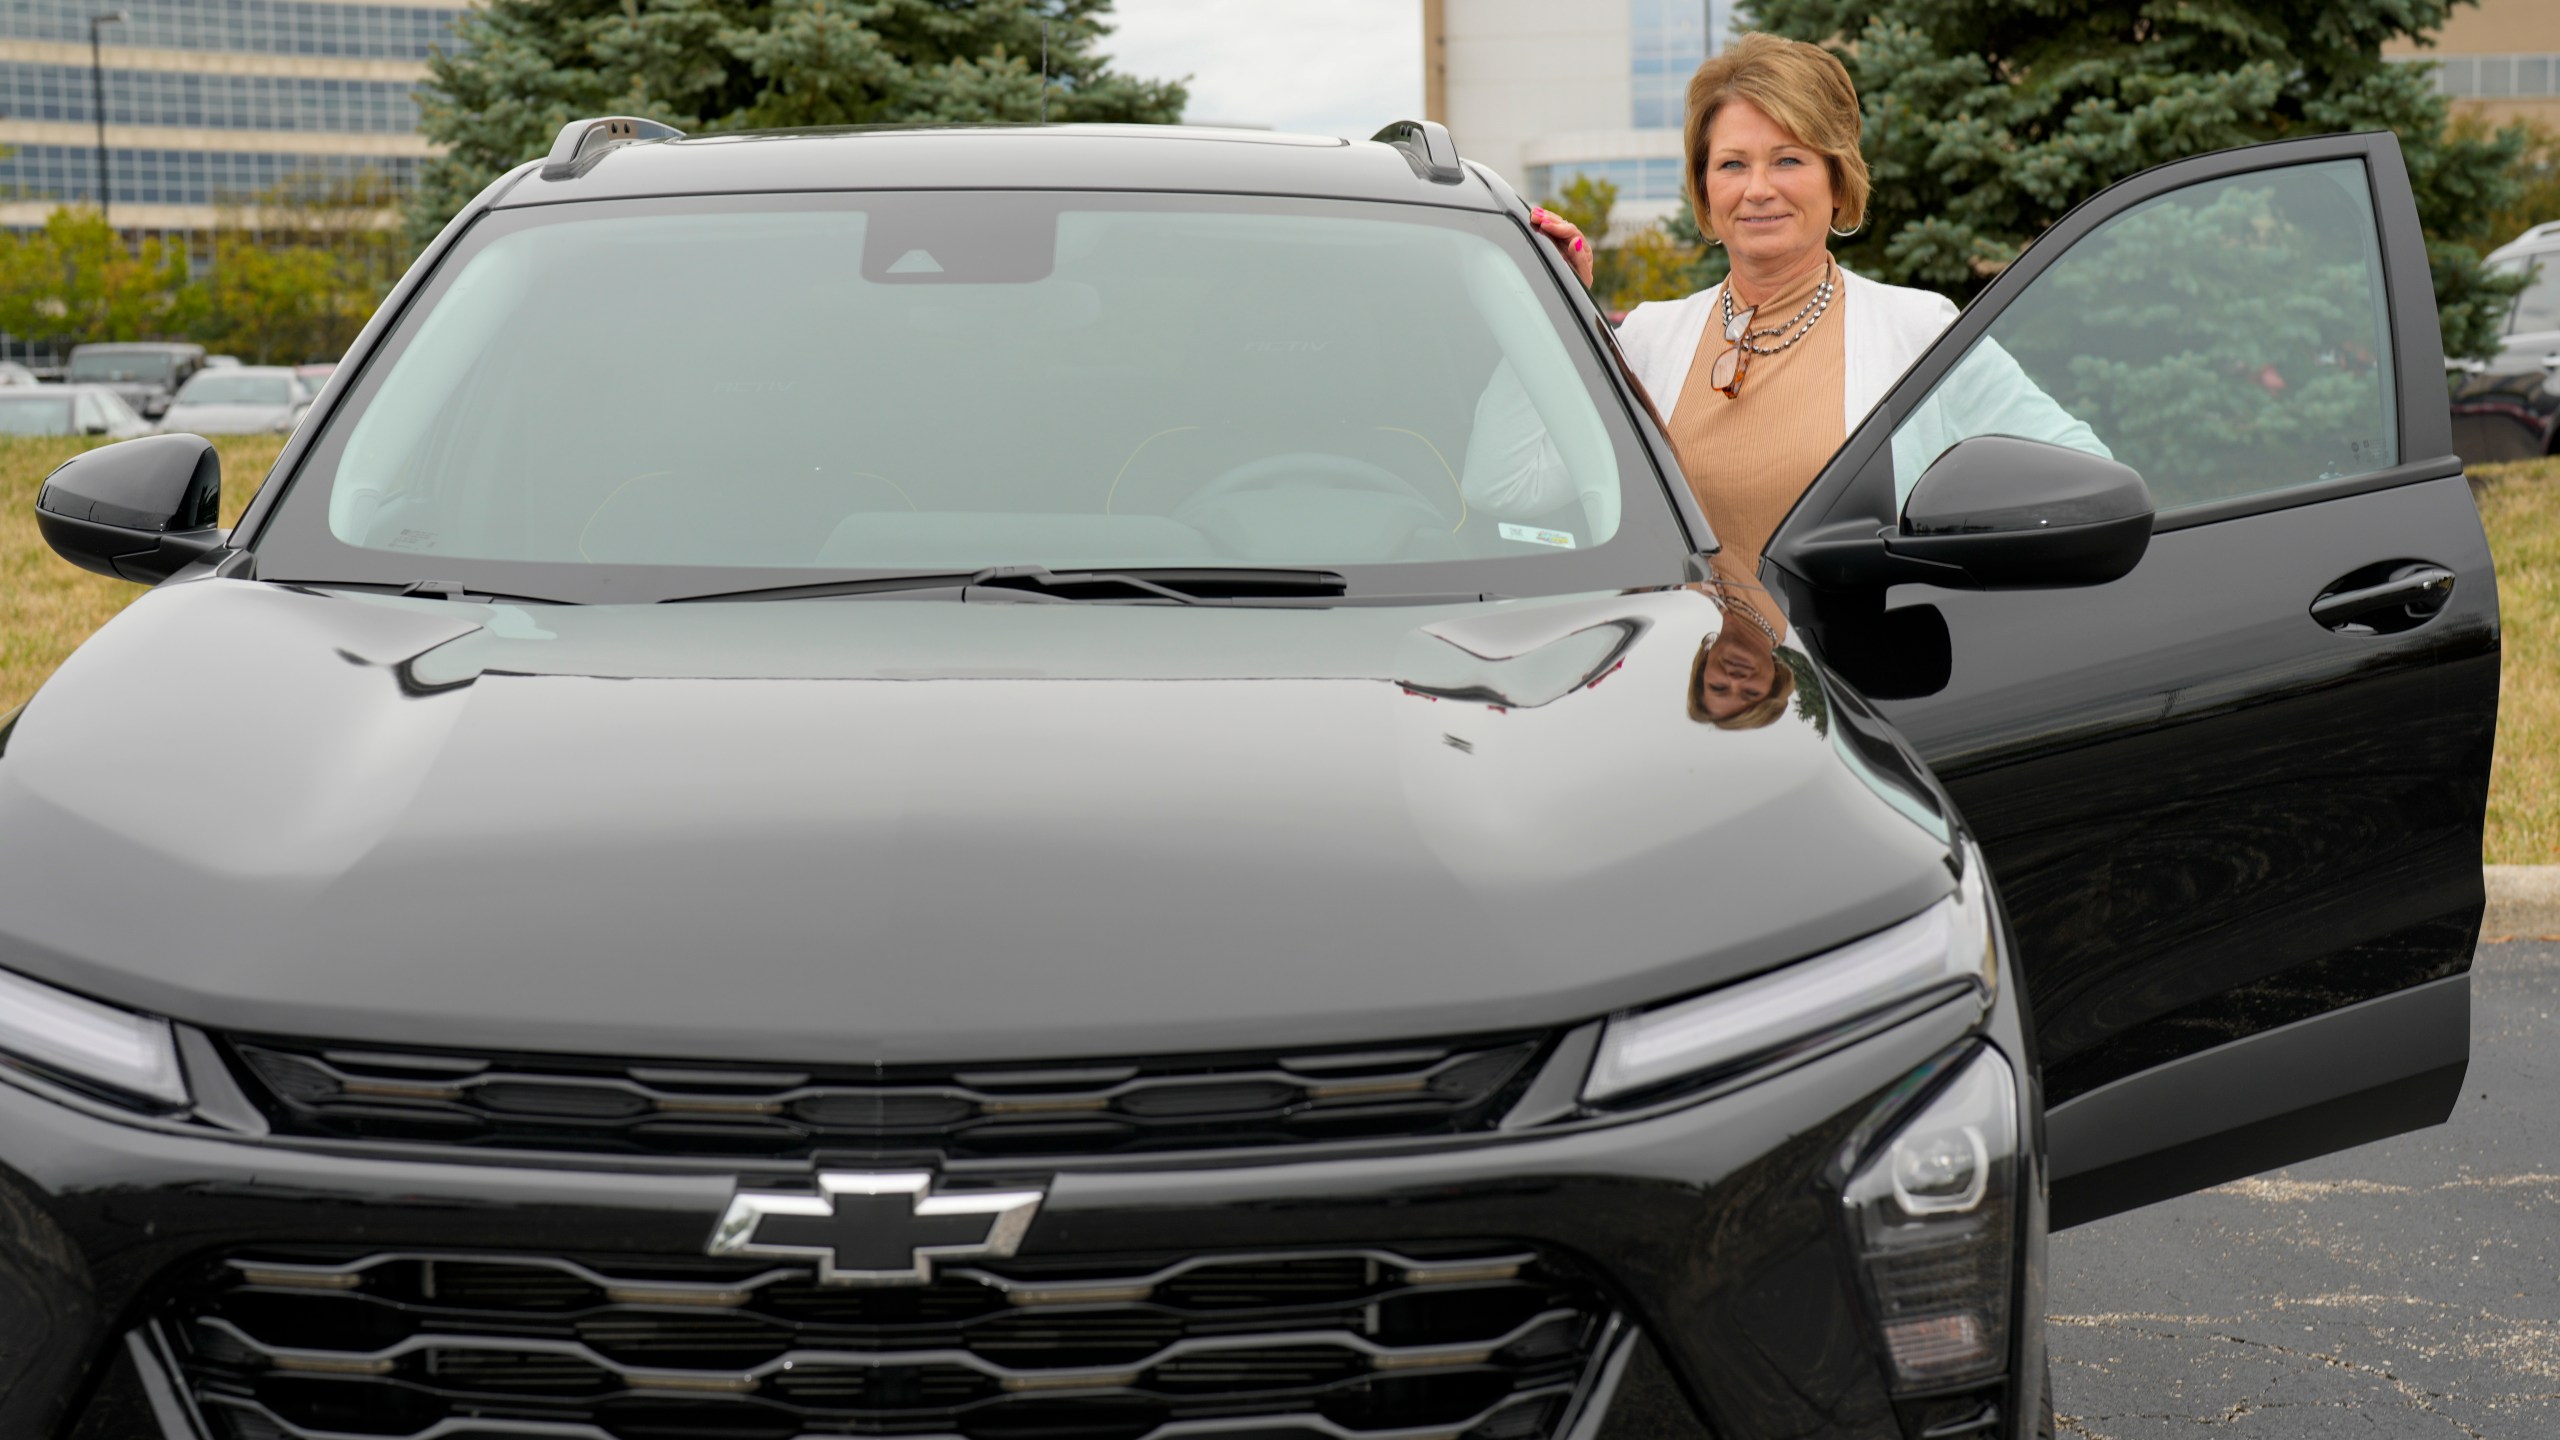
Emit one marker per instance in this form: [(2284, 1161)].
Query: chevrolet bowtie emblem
[(875, 1229)]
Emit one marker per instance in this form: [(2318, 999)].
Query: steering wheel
[(1276, 471)]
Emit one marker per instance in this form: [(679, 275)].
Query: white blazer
[(1889, 325), (1513, 469)]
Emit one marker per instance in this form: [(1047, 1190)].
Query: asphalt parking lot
[(2409, 1288)]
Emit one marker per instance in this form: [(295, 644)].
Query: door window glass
[(2224, 340), (89, 417)]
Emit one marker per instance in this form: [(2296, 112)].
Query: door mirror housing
[(140, 510), (1999, 513)]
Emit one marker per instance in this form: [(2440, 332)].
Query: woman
[(1738, 681), (1768, 372)]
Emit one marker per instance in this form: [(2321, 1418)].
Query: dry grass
[(47, 608), (2520, 504)]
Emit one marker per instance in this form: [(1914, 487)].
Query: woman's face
[(1768, 193), (1737, 674)]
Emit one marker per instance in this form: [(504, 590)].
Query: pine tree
[(524, 68), (1985, 120)]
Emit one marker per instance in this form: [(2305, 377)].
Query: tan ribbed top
[(1748, 458)]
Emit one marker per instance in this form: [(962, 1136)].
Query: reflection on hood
[(1518, 679)]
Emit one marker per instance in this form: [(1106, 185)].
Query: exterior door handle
[(2385, 599)]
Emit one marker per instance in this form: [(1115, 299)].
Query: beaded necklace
[(1802, 322)]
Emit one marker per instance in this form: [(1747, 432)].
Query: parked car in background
[(14, 374), (239, 400), (222, 362), (145, 373), (316, 373), (2509, 408), (68, 410)]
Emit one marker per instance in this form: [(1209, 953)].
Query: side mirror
[(139, 511), (2000, 513)]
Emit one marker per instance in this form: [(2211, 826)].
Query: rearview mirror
[(2001, 513), (139, 511)]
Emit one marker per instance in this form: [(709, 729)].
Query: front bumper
[(1714, 1227)]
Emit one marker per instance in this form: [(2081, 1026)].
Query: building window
[(1670, 44), (1656, 178), (31, 91), (2493, 77), (272, 27), (69, 173)]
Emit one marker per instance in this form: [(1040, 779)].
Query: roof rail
[(1427, 147), (581, 141), (2547, 227)]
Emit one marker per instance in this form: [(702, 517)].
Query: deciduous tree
[(1630, 263), (76, 279)]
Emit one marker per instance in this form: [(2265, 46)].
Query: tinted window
[(858, 384), (233, 387), (2224, 340), (2538, 308), (152, 366), (35, 415)]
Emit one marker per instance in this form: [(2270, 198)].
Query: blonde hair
[(1760, 712), (1806, 90)]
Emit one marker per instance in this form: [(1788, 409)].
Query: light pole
[(98, 98)]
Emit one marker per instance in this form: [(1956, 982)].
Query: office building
[(208, 102), (1543, 92), (2499, 59)]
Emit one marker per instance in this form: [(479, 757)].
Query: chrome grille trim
[(1315, 1425), (334, 1276), (1432, 1342), (801, 1362)]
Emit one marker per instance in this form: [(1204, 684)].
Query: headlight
[(1943, 948), (1932, 1217), (93, 1046)]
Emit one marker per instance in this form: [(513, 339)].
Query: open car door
[(2232, 798)]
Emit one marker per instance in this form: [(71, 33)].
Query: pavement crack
[(2417, 1396)]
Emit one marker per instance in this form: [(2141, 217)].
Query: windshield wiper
[(1211, 584), (432, 590)]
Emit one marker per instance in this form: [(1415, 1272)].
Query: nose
[(1757, 186)]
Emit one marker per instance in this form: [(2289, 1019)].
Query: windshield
[(35, 415), (234, 387), (627, 396), (148, 366)]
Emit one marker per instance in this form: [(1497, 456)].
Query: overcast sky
[(1330, 67)]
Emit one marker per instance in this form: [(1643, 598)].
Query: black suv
[(1019, 849)]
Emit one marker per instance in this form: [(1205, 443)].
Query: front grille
[(628, 1107), (1479, 1342)]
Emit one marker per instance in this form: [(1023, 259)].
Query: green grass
[(47, 608), (2520, 505)]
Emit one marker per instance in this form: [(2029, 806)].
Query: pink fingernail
[(1577, 242)]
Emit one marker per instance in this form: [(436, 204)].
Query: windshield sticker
[(1561, 539)]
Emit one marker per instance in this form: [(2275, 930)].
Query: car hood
[(877, 830), (224, 419)]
